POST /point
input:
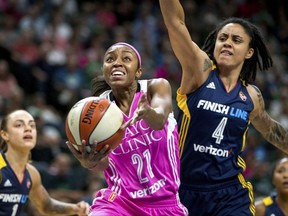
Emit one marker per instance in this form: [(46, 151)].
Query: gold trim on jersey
[(267, 201), (244, 137), (183, 130), (2, 162), (241, 162), (249, 186)]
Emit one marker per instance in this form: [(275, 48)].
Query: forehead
[(21, 115), (120, 48), (283, 162), (234, 29)]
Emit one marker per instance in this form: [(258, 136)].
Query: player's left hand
[(83, 208), (142, 110)]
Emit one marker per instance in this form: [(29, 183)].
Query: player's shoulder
[(34, 173), (255, 94), (260, 208), (253, 90)]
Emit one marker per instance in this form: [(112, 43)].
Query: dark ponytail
[(99, 85)]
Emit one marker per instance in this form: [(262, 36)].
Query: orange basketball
[(94, 118)]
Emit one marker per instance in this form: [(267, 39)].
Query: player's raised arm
[(194, 62)]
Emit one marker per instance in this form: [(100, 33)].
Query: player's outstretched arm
[(270, 129), (47, 205)]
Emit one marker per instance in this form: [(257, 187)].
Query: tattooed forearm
[(58, 207), (278, 136), (271, 130)]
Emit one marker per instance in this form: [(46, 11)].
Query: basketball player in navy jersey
[(217, 104), (19, 180), (277, 203)]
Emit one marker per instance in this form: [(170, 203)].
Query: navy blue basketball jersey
[(272, 209), (13, 194), (213, 124)]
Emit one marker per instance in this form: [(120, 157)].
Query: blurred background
[(51, 49)]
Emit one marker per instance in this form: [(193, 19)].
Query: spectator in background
[(67, 83), (9, 87), (11, 94)]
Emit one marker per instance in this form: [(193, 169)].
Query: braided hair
[(261, 58)]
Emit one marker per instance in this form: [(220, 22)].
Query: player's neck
[(283, 204)]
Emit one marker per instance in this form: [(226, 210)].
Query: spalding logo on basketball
[(94, 118)]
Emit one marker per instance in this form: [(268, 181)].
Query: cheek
[(216, 51)]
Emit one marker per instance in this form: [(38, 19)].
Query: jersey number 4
[(218, 132)]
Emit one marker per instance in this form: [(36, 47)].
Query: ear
[(138, 73), (250, 53), (4, 135)]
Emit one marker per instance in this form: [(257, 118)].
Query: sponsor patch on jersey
[(28, 184), (112, 197), (242, 96)]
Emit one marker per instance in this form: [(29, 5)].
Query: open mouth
[(117, 73), (226, 52), (28, 137)]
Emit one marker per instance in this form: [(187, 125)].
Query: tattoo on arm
[(272, 130), (57, 207), (207, 64)]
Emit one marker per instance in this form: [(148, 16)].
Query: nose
[(117, 62), (227, 43), (28, 128)]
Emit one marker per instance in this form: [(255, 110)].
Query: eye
[(127, 59), (281, 170), (33, 126), (18, 125), (109, 59), (222, 38), (237, 39)]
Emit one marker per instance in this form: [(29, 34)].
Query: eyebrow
[(20, 120)]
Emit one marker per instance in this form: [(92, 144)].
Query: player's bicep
[(259, 117), (38, 194)]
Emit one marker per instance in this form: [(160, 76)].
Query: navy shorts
[(231, 199)]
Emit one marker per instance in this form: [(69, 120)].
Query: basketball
[(94, 118)]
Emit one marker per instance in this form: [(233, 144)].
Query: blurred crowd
[(50, 50)]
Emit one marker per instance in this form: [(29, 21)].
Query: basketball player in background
[(142, 173), (277, 203), (19, 180), (217, 104)]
